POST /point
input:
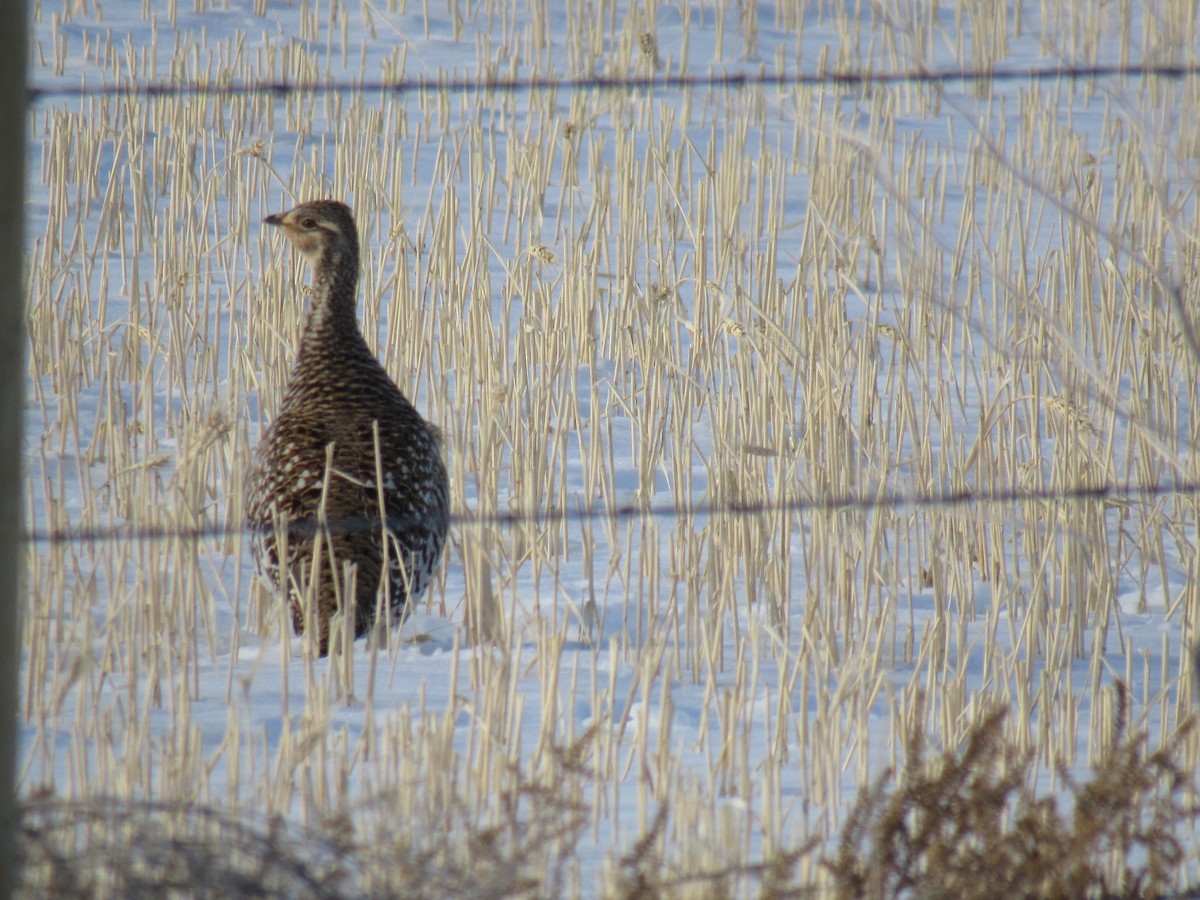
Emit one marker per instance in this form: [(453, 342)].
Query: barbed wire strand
[(523, 84), (732, 80), (1114, 494)]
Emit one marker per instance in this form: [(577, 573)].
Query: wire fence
[(524, 84), (1115, 495)]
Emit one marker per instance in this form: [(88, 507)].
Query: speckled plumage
[(336, 394)]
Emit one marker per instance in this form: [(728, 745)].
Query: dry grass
[(611, 300), (969, 825), (141, 849), (962, 825)]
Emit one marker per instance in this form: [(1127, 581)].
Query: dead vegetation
[(910, 289), (963, 824), (968, 824)]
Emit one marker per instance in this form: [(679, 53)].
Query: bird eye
[(309, 223)]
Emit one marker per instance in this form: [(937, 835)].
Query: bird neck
[(332, 307)]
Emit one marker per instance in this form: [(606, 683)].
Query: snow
[(757, 668)]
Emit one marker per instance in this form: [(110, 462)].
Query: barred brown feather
[(320, 454)]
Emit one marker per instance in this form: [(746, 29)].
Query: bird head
[(319, 229)]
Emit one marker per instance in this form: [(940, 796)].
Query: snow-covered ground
[(688, 344)]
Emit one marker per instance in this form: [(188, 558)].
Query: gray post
[(13, 115)]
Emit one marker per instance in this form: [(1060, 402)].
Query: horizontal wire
[(736, 80), (1115, 494), (523, 84)]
